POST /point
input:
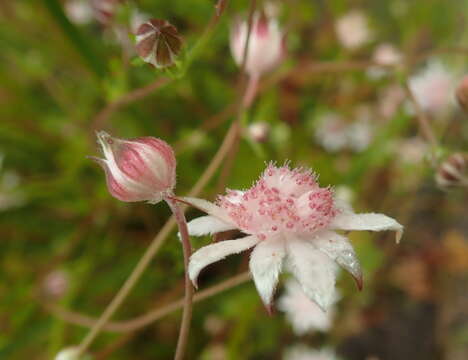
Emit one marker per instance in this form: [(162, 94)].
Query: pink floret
[(283, 200)]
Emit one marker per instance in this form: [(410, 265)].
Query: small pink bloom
[(352, 30), (289, 220), (259, 131), (265, 45), (433, 87), (141, 169), (303, 352), (387, 55)]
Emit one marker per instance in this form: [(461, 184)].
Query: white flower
[(259, 131), (412, 150), (303, 352), (359, 135), (289, 220), (334, 134), (433, 87), (352, 30), (303, 314), (331, 133)]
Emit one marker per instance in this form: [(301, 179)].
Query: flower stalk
[(188, 298)]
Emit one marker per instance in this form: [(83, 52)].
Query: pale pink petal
[(207, 225), (208, 207), (369, 221), (215, 252), (339, 249), (266, 262), (314, 270)]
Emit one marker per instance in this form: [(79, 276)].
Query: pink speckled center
[(282, 201)]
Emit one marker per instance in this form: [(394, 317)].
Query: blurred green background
[(67, 245)]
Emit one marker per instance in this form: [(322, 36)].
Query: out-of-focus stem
[(187, 250), (153, 315), (250, 91), (423, 122), (128, 285)]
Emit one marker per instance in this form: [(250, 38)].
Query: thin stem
[(250, 92), (132, 96), (128, 285), (187, 249), (151, 316), (423, 122)]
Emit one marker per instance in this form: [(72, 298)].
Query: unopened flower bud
[(158, 43), (141, 169), (452, 171), (104, 10), (259, 131), (462, 93), (266, 45)]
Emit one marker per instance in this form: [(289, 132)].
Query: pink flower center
[(282, 201)]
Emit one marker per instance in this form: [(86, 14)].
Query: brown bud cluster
[(158, 43), (452, 171), (462, 93)]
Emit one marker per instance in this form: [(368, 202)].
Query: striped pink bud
[(141, 169), (266, 45), (452, 171), (462, 93), (104, 10)]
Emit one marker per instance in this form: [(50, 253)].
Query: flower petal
[(266, 263), (339, 249), (205, 225), (314, 270), (369, 221), (214, 252), (208, 207)]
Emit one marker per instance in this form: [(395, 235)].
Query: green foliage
[(56, 76)]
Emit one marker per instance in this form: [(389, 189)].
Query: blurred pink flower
[(390, 100), (104, 10), (56, 283), (289, 219), (265, 45), (303, 352), (331, 132), (433, 87), (303, 314), (79, 11), (141, 169), (412, 150), (334, 134), (387, 54), (352, 30), (259, 131)]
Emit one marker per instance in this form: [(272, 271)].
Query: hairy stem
[(187, 249)]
